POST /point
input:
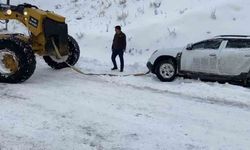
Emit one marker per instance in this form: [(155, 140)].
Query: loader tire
[(73, 57), (17, 61)]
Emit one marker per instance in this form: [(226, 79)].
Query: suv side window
[(213, 44), (209, 44), (238, 43), (200, 45)]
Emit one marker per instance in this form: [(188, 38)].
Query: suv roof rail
[(233, 36)]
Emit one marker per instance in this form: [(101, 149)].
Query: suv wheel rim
[(167, 71)]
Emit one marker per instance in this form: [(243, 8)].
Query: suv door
[(202, 58), (235, 57)]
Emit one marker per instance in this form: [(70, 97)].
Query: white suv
[(222, 58)]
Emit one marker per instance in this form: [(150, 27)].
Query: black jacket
[(119, 42)]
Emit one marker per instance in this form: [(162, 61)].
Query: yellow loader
[(48, 38)]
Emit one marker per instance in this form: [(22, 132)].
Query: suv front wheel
[(165, 70)]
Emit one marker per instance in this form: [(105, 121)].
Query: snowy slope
[(64, 110)]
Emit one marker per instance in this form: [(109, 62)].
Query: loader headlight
[(25, 13), (9, 12)]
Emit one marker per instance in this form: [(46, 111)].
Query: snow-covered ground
[(65, 110)]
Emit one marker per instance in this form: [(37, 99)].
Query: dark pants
[(119, 53)]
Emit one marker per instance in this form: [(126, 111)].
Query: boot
[(114, 68)]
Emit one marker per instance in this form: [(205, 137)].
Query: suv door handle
[(212, 55), (247, 55)]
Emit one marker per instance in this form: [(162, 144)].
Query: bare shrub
[(74, 1), (122, 2), (80, 35), (213, 15), (58, 6), (183, 11), (172, 32), (105, 4), (122, 17), (156, 4)]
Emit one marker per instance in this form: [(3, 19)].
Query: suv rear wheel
[(165, 70)]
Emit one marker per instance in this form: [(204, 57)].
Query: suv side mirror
[(189, 47)]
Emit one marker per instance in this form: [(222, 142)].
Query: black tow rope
[(94, 74)]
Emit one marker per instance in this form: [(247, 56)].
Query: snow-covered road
[(64, 110)]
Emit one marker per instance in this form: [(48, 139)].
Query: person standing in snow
[(118, 47)]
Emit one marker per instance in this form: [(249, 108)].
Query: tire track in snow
[(8, 140), (208, 100), (7, 93)]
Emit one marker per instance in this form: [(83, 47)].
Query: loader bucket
[(58, 31)]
